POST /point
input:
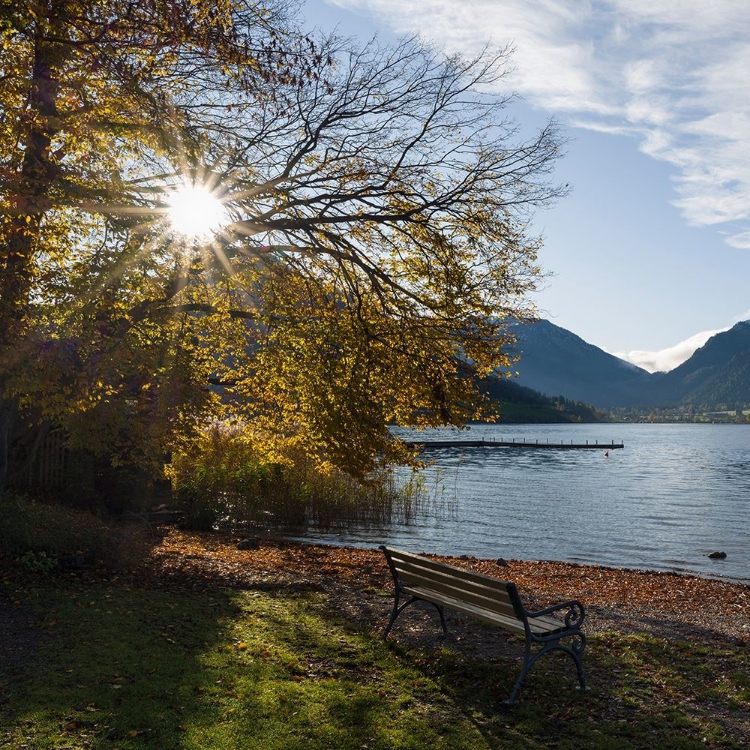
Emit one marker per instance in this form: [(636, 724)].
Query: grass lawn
[(276, 667)]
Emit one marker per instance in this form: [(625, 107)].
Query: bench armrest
[(574, 616)]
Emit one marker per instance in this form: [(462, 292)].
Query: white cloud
[(673, 73), (741, 241), (667, 359)]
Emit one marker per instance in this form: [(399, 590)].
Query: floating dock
[(516, 443)]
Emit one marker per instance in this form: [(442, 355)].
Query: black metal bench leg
[(442, 619), (581, 675), (576, 649), (527, 662), (396, 612)]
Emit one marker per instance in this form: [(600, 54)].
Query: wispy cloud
[(741, 241), (672, 74)]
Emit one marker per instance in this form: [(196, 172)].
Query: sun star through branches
[(196, 211)]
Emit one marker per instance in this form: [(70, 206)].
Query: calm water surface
[(674, 494)]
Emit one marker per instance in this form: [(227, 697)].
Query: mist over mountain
[(718, 372), (556, 362)]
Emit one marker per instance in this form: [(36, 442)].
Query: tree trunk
[(8, 409), (28, 203)]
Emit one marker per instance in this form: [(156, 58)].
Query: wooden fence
[(47, 470)]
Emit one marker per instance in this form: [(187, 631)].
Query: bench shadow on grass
[(438, 691), (654, 686), (343, 688)]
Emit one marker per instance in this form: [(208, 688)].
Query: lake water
[(674, 494)]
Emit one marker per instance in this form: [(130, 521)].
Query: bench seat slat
[(398, 556), (539, 625), (453, 586), (464, 578)]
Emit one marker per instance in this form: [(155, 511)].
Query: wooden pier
[(516, 443)]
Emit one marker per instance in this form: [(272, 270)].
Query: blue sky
[(650, 253)]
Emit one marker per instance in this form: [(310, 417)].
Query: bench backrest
[(483, 591)]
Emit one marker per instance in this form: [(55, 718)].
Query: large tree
[(374, 241), (97, 96)]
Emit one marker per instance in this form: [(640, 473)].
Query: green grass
[(278, 668)]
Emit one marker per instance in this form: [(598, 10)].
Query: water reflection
[(672, 496)]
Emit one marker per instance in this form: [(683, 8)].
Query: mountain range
[(556, 362)]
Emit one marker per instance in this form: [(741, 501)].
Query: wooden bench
[(490, 600)]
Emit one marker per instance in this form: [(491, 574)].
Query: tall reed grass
[(222, 482)]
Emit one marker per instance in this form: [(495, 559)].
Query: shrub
[(38, 562), (38, 532)]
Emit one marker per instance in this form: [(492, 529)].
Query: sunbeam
[(196, 212)]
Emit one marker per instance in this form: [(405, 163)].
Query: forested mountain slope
[(556, 362)]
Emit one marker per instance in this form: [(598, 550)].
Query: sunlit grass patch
[(246, 669)]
